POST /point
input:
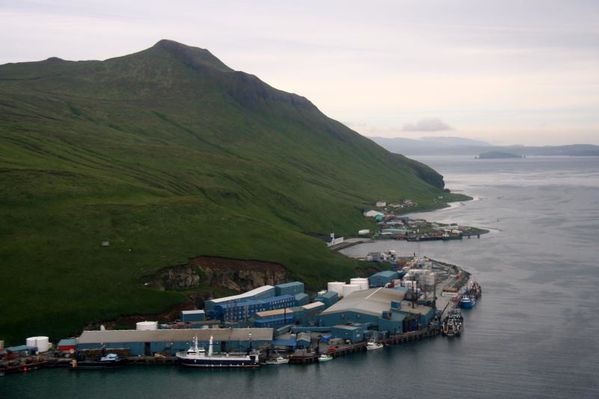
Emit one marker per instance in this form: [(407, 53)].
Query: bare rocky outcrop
[(234, 274)]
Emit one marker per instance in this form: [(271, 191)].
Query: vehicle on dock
[(110, 360), (372, 346), (324, 358), (196, 356)]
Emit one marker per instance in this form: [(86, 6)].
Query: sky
[(507, 72)]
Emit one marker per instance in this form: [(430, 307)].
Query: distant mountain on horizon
[(465, 146)]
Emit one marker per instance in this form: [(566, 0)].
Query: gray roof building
[(372, 301), (176, 335)]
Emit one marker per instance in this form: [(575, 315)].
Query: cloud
[(427, 125)]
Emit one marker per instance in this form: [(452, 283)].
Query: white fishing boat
[(196, 356), (372, 346), (277, 361), (325, 358)]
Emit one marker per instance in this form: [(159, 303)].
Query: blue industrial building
[(169, 341), (266, 291), (307, 314), (274, 318), (329, 298), (302, 299), (354, 333), (383, 278), (380, 308), (246, 309), (303, 340), (292, 288)]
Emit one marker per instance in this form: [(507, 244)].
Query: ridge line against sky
[(508, 72)]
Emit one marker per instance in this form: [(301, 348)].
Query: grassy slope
[(168, 154)]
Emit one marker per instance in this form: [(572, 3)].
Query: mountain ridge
[(169, 157)]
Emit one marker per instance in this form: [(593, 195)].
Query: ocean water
[(534, 334)]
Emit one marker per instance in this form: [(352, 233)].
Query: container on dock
[(336, 286), (67, 345), (362, 282), (146, 325), (41, 343)]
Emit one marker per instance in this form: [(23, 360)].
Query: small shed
[(355, 333), (67, 345), (188, 316)]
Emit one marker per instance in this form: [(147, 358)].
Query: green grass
[(169, 155)]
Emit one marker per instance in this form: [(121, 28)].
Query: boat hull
[(219, 363), (97, 365)]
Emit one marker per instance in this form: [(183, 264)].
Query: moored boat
[(453, 324), (467, 302), (109, 360), (372, 346), (325, 358), (196, 356), (277, 361)]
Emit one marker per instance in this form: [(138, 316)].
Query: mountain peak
[(193, 56)]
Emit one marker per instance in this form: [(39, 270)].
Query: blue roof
[(19, 348), (67, 341), (385, 273), (347, 327), (291, 284), (284, 342)]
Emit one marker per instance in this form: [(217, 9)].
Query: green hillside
[(168, 153)]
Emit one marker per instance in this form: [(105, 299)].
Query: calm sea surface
[(535, 334)]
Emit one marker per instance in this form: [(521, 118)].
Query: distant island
[(497, 155), (464, 146)]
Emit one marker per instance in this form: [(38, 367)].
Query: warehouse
[(246, 309), (263, 292), (329, 298), (302, 299), (274, 318), (292, 288), (169, 341), (353, 333), (383, 278), (424, 314), (365, 306)]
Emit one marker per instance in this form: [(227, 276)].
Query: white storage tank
[(336, 286), (146, 325), (363, 232), (429, 279), (361, 282), (349, 288), (41, 343), (409, 283)]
